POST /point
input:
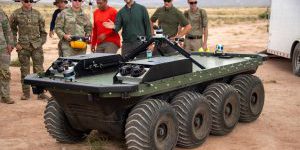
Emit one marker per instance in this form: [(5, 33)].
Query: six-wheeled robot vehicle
[(154, 103)]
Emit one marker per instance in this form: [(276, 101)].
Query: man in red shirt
[(107, 40)]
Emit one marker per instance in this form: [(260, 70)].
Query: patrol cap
[(60, 1)]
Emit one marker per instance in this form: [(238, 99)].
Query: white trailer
[(284, 31)]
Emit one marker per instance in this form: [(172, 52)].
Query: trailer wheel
[(194, 118), (151, 124), (58, 126), (224, 102), (296, 60), (252, 96)]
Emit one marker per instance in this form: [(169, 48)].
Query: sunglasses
[(167, 1), (77, 0), (28, 1), (192, 3)]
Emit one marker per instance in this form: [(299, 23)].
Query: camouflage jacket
[(73, 23), (6, 36), (30, 26)]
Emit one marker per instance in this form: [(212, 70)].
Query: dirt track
[(21, 124)]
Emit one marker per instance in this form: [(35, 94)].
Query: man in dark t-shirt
[(173, 23), (134, 21), (60, 4)]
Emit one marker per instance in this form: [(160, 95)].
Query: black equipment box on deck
[(164, 67), (85, 65)]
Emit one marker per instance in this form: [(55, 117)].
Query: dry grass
[(96, 142), (263, 28), (221, 16), (15, 63), (238, 33)]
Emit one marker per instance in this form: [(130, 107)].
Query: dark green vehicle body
[(100, 101)]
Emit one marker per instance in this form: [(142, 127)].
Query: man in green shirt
[(134, 21), (173, 23)]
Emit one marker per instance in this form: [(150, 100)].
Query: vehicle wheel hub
[(162, 131)]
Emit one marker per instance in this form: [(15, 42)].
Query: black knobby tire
[(194, 118), (151, 125), (296, 60), (58, 126), (252, 96), (224, 103)]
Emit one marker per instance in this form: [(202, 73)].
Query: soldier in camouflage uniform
[(72, 22), (29, 24), (197, 37), (6, 46)]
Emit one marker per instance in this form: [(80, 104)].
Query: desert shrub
[(264, 15)]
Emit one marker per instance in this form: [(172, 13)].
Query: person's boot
[(8, 101), (25, 97), (42, 96)]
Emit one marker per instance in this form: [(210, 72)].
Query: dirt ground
[(22, 127)]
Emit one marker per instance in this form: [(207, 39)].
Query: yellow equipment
[(202, 50), (79, 42)]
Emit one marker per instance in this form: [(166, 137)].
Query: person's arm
[(153, 19), (14, 26), (52, 23), (152, 27), (42, 29), (186, 26), (59, 24), (205, 37), (205, 28), (118, 22), (94, 34), (9, 38), (147, 25), (185, 30)]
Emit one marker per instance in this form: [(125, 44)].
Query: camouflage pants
[(107, 47), (67, 50), (37, 57), (192, 44), (4, 75)]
